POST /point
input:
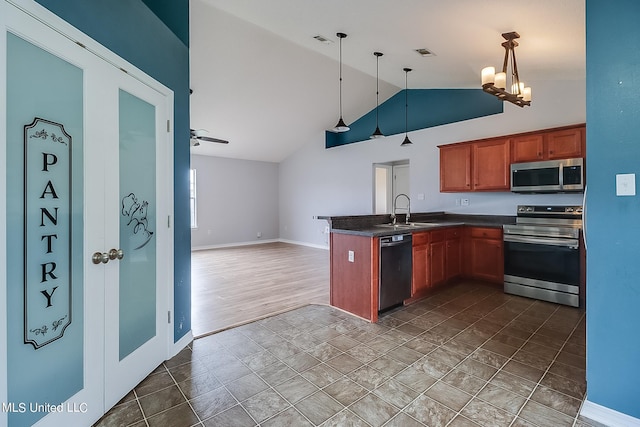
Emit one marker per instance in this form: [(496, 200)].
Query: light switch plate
[(626, 184)]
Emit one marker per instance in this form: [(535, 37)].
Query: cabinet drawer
[(420, 238), (487, 233), (453, 233), (437, 235)]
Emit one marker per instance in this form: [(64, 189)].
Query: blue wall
[(175, 15), (613, 222), (130, 29), (427, 108)]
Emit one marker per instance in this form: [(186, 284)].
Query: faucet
[(393, 215)]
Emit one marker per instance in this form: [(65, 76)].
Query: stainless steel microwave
[(551, 176)]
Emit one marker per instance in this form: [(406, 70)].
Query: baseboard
[(258, 242), (231, 245), (178, 346), (607, 416), (310, 245)]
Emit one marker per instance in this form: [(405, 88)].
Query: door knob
[(116, 253), (100, 257)]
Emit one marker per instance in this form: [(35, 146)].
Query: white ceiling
[(261, 81)]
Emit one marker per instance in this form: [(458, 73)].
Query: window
[(192, 198)]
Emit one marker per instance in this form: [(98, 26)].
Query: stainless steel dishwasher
[(395, 270)]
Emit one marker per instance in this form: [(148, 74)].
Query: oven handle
[(570, 243)]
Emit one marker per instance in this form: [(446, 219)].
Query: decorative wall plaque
[(47, 232)]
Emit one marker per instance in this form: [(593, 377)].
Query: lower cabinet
[(437, 257), (438, 253), (486, 256), (453, 252), (420, 281)]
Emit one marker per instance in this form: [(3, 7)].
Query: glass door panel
[(137, 158), (45, 228)]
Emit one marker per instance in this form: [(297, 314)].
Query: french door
[(88, 255)]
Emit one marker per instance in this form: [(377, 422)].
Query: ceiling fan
[(198, 135)]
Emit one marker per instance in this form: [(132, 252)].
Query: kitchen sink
[(404, 226)]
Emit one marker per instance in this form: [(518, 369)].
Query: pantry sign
[(47, 232)]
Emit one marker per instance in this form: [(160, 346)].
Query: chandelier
[(496, 83)]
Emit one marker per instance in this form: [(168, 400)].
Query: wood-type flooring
[(236, 285)]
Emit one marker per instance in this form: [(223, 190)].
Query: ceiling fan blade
[(209, 139), (199, 135)]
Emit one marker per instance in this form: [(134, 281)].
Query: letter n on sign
[(47, 232)]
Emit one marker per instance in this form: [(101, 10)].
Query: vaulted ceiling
[(261, 80)]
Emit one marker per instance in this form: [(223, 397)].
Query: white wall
[(236, 199), (339, 181)]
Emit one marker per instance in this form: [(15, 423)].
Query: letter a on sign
[(47, 232)]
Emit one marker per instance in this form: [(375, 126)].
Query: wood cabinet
[(437, 261), (437, 257), (477, 166), (563, 143), (486, 256), (490, 165), (453, 252), (455, 168), (484, 165), (354, 285), (420, 280)]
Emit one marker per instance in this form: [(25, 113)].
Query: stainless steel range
[(542, 256)]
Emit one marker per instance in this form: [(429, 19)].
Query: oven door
[(543, 268)]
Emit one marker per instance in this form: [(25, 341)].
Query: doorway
[(86, 255), (389, 180)]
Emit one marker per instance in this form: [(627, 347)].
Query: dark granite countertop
[(379, 225)]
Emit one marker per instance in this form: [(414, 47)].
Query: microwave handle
[(584, 217)]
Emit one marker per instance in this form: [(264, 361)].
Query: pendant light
[(377, 133), (406, 141), (341, 125)]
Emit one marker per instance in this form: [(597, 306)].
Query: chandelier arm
[(516, 76), (340, 99), (505, 63)]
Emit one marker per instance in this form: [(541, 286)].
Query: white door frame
[(42, 14)]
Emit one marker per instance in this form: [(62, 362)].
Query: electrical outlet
[(464, 202), (351, 256), (259, 234), (326, 229), (457, 202)]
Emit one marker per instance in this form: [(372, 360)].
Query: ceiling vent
[(425, 52), (323, 39)]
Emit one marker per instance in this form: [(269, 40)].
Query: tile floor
[(467, 356)]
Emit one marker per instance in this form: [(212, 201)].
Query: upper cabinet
[(557, 144), (455, 168), (490, 168), (476, 166), (484, 165)]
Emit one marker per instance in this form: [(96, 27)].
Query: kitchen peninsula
[(445, 247)]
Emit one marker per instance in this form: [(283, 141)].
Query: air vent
[(323, 39), (425, 52)]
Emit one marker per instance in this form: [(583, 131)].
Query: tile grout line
[(182, 393), (144, 417), (438, 380), (538, 384), (498, 370), (365, 336)]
